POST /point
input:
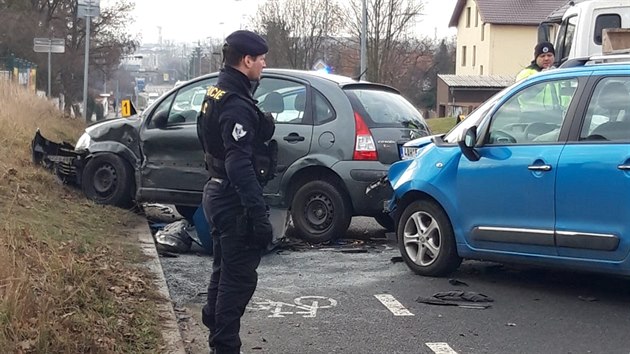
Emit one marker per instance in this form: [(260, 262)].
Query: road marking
[(300, 306), (393, 305), (441, 348)]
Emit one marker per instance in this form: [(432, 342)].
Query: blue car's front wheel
[(426, 240)]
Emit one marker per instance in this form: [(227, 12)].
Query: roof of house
[(509, 12), (489, 81)]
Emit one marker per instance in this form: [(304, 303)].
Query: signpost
[(49, 45), (87, 9)]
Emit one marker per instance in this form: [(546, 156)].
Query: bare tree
[(389, 37), (21, 21), (297, 30)]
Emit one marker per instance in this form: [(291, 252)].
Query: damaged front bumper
[(61, 158)]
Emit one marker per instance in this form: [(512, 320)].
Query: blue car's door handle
[(624, 167), (539, 168)]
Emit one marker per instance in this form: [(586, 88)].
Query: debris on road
[(588, 298), (459, 299), (456, 282), (397, 259)]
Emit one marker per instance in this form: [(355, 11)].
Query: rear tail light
[(364, 147)]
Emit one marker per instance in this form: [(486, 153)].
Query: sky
[(193, 20)]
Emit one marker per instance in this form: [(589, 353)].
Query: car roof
[(312, 75)]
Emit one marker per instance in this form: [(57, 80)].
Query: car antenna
[(358, 78)]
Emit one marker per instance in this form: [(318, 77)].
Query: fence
[(20, 71)]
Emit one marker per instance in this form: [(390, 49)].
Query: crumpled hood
[(99, 129)]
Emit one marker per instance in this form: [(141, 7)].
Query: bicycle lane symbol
[(306, 306)]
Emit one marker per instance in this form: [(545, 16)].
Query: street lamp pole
[(88, 19), (363, 40)]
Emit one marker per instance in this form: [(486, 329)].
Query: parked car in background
[(335, 136), (538, 174)]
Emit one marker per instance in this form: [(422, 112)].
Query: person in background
[(544, 57), (234, 134)]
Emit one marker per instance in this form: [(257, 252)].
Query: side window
[(184, 104), (324, 111), (534, 115), (605, 21), (284, 99), (567, 32), (608, 112)]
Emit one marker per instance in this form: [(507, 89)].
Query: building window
[(464, 55), (483, 31), (477, 19), (480, 69), (474, 58), (468, 17)]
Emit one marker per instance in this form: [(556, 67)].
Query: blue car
[(539, 174)]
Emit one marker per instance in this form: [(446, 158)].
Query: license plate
[(408, 152)]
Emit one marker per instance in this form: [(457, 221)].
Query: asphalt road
[(352, 298)]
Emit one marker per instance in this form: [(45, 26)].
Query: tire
[(320, 211), (385, 221), (426, 239), (107, 179)]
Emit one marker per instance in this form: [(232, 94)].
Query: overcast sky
[(193, 20)]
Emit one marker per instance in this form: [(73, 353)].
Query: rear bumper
[(358, 177), (66, 163)]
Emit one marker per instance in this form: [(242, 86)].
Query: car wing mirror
[(160, 119), (467, 144)]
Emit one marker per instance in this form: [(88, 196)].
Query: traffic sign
[(49, 45), (88, 8), (88, 11)]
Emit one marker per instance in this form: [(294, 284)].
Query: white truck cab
[(578, 26)]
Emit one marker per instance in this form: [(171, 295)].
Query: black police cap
[(543, 48), (247, 42)]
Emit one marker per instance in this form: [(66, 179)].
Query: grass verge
[(70, 280), (441, 125)]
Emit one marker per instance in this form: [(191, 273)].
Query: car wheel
[(426, 240), (107, 179), (385, 221), (320, 211)]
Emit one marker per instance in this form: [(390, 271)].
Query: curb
[(170, 329)]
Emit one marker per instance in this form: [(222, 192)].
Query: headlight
[(83, 143)]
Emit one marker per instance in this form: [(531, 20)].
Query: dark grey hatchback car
[(335, 136)]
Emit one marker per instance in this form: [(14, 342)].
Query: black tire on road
[(385, 221), (320, 211), (108, 179), (426, 239)]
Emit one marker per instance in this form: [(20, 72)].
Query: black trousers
[(234, 277)]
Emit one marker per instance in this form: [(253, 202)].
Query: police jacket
[(232, 130)]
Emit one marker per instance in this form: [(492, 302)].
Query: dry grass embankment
[(69, 275)]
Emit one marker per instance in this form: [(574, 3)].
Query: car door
[(506, 198), (288, 102), (593, 179), (173, 167)]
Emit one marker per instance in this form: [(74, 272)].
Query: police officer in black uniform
[(234, 134)]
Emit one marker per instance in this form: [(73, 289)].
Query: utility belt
[(264, 166)]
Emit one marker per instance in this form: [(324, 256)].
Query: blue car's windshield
[(474, 118)]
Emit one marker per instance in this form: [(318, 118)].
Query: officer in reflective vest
[(548, 96), (234, 134), (544, 57)]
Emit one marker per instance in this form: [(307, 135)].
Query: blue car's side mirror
[(468, 142)]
